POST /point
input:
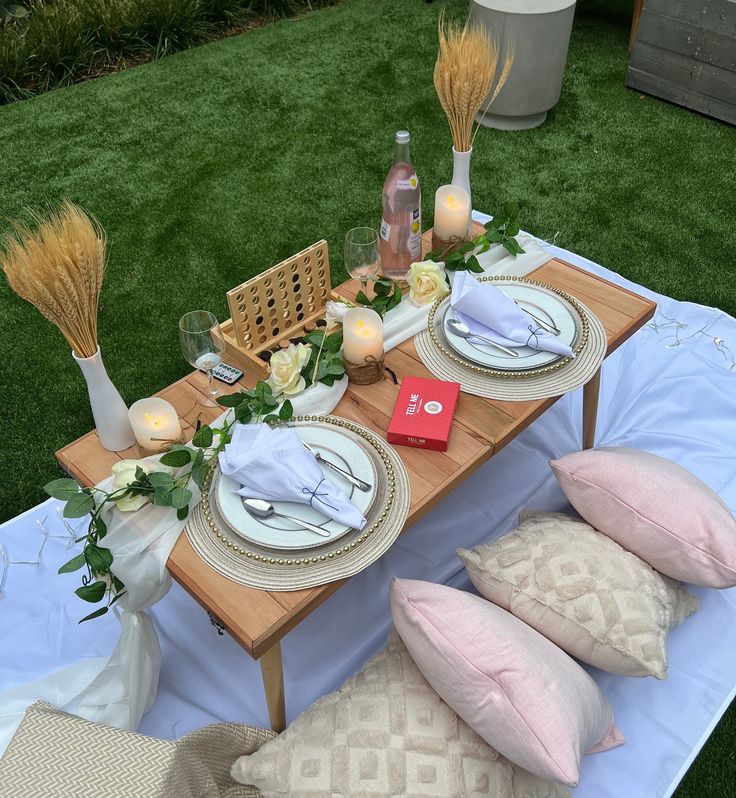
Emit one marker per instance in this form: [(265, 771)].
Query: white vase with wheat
[(108, 408), (466, 68), (58, 267), (461, 170)]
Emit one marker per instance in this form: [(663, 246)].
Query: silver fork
[(359, 483)]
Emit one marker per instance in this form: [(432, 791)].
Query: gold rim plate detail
[(581, 343), (309, 558)]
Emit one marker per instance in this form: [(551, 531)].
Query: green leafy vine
[(502, 229), (163, 488), (388, 296), (325, 363)]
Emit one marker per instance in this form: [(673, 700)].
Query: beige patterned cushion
[(57, 755), (385, 732), (583, 591)]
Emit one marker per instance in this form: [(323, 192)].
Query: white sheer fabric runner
[(118, 690)]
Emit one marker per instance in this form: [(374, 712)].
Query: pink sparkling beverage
[(401, 226)]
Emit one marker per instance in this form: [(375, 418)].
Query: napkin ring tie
[(533, 333), (314, 495)]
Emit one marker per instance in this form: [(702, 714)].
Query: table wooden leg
[(272, 672), (591, 390)]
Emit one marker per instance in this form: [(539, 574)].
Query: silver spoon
[(464, 332), (259, 508), (353, 480)]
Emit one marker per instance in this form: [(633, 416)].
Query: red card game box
[(423, 413)]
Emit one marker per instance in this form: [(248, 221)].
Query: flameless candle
[(155, 423), (451, 213), (362, 335)]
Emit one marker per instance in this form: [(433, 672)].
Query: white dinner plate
[(542, 303), (278, 533)]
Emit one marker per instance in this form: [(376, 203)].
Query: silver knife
[(359, 483), (545, 325)]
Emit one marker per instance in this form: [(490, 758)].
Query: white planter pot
[(539, 32), (461, 171), (108, 408)]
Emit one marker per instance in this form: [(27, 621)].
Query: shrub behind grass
[(63, 41)]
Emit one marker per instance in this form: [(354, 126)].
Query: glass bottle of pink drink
[(401, 225)]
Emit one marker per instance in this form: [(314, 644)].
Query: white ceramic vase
[(461, 171), (108, 408)]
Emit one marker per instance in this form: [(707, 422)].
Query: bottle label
[(385, 229), (409, 183), (415, 238)]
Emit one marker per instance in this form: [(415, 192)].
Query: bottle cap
[(402, 136)]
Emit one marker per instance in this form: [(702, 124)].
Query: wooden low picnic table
[(258, 619)]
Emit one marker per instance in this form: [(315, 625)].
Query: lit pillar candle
[(451, 213), (155, 423), (362, 335)]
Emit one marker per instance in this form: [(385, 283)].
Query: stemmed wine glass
[(362, 255), (202, 344)]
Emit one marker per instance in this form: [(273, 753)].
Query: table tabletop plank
[(258, 618)]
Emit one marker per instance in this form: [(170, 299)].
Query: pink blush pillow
[(524, 696), (654, 508)]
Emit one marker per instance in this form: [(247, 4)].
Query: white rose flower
[(426, 281), (286, 370), (335, 312), (123, 473)]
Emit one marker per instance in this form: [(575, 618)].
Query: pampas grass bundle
[(58, 267), (466, 67)]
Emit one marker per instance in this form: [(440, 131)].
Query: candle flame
[(154, 421)]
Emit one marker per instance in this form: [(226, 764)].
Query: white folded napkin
[(487, 311), (406, 319), (274, 465)]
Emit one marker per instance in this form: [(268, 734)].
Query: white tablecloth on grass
[(679, 402)]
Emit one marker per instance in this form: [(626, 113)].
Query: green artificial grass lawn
[(211, 165)]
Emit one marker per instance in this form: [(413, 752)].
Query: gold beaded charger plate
[(281, 534), (266, 569), (552, 307), (554, 379)]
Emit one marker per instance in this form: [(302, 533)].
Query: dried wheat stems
[(466, 67), (58, 268)]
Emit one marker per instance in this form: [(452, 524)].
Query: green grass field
[(213, 164)]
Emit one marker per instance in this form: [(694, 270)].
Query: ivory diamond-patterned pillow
[(385, 732), (583, 591)]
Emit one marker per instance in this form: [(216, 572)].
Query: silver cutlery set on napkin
[(275, 465), (484, 313)]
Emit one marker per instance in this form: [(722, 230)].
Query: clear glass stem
[(212, 389)]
